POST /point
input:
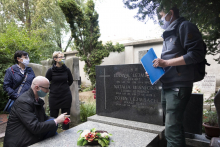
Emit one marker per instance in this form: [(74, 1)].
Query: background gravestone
[(141, 54), (208, 84), (123, 91)]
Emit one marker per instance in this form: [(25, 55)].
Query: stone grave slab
[(198, 141), (122, 137), (156, 129), (3, 125)]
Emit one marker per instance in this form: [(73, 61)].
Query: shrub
[(5, 62), (211, 118), (13, 39), (84, 88), (86, 110)]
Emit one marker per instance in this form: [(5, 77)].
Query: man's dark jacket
[(27, 121), (181, 38)]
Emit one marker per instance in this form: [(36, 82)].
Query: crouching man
[(28, 123)]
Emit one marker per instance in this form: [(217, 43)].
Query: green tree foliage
[(204, 13), (39, 17), (13, 39), (85, 31)]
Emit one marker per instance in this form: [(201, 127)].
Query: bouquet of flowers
[(196, 89), (89, 137)]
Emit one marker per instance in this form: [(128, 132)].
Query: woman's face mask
[(26, 62), (163, 23), (62, 61)]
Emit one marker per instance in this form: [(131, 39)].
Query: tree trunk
[(28, 16), (68, 43)]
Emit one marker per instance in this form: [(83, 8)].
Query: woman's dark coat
[(60, 79), (13, 77)]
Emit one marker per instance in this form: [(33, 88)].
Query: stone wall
[(73, 64), (132, 53)]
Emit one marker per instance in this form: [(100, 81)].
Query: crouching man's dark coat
[(27, 121)]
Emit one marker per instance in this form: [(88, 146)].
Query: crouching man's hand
[(61, 118)]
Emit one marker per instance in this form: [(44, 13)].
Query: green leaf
[(80, 142), (80, 131), (106, 141), (98, 134), (93, 130), (102, 143), (85, 142)]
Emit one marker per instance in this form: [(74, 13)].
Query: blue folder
[(155, 73)]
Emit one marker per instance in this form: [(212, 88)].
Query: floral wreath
[(93, 137)]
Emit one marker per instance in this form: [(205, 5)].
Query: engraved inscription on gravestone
[(208, 84), (124, 91)]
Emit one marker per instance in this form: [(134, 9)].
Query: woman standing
[(18, 78), (60, 79)]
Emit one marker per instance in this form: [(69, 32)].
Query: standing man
[(28, 122), (182, 48)]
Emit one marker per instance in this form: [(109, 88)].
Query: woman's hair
[(19, 54), (55, 55)]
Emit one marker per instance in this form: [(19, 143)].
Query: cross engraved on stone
[(104, 84)]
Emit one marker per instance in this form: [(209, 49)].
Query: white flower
[(84, 133), (196, 89), (104, 135)]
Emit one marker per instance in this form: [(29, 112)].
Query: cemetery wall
[(133, 52)]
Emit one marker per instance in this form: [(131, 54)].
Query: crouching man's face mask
[(164, 23), (41, 93)]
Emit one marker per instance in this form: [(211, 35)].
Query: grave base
[(151, 128), (192, 141), (198, 141)]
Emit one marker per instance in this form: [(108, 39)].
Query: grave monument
[(129, 107)]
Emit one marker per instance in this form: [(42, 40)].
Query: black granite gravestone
[(124, 91)]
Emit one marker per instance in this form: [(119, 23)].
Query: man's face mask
[(163, 23)]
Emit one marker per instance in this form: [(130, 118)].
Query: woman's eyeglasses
[(61, 57)]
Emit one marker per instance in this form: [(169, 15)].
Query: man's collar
[(173, 25), (36, 99)]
